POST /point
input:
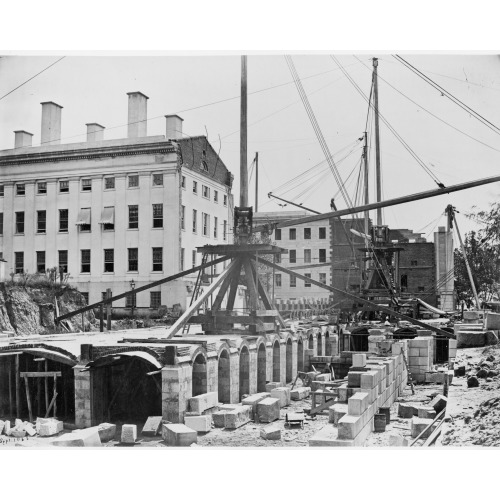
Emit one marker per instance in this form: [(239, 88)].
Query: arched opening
[(122, 390), (320, 345), (244, 371), (310, 344), (328, 346), (199, 385), (224, 378), (300, 355), (288, 360), (276, 362), (261, 368), (41, 389)]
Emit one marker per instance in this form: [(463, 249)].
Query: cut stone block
[(397, 440), (129, 434), (323, 377), (354, 378), (426, 412), (419, 424), (152, 427), (254, 399), (336, 412), (328, 436), (202, 423), (470, 339), (369, 380), (2, 425), (81, 438), (350, 426), (30, 430), (300, 393), (219, 418), (283, 394), (6, 427), (268, 410), (271, 433), (106, 431), (48, 426), (272, 385), (357, 403), (405, 410), (237, 418), (358, 360), (178, 435), (199, 404), (439, 403)]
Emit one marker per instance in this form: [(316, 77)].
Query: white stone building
[(112, 211)]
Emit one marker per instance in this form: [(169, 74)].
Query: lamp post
[(132, 287)]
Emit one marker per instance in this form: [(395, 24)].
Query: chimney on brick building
[(51, 123), (174, 127), (22, 139), (137, 115), (95, 132)]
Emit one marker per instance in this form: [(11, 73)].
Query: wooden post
[(55, 395), (18, 396), (101, 318), (243, 136), (108, 310), (377, 140), (257, 181), (11, 402), (28, 398), (83, 322), (46, 382)]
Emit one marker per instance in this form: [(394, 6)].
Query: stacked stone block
[(419, 357)]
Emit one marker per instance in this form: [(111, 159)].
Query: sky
[(204, 91)]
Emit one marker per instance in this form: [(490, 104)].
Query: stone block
[(327, 436), (323, 377), (48, 426), (470, 339), (218, 418), (350, 426), (357, 403), (419, 424), (283, 394), (178, 435), (354, 378), (460, 371), (271, 433), (336, 412), (300, 393), (129, 434), (369, 380), (268, 410), (237, 418), (396, 348), (152, 427), (201, 423), (272, 385), (2, 425), (203, 402), (30, 430), (6, 427), (471, 315), (405, 410), (106, 431), (439, 403), (81, 438), (397, 440), (426, 412), (254, 399)]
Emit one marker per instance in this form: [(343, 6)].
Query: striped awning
[(108, 215), (83, 217)]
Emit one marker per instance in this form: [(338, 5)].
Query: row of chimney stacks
[(137, 124)]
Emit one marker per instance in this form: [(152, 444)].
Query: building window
[(225, 230), (307, 284), (84, 220), (41, 188), (421, 288), (41, 221), (182, 259), (133, 181), (157, 179), (85, 261), (19, 222), (20, 189), (413, 263), (155, 300), (322, 233), (158, 259), (204, 164), (40, 262), (63, 261), (277, 280), (292, 235), (277, 234), (216, 196), (86, 184), (183, 182), (158, 215), (195, 187), (109, 183), (85, 296), (307, 233), (195, 220), (216, 222), (19, 262), (404, 282), (1, 222), (131, 301), (205, 191), (109, 260), (293, 256), (225, 200), (277, 258), (193, 255), (206, 224), (307, 256), (2, 190), (133, 216), (108, 219), (63, 220), (133, 259), (293, 281), (64, 186), (183, 217), (322, 255), (322, 278)]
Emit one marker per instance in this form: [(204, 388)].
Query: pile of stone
[(44, 427)]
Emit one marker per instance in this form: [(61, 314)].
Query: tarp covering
[(83, 217), (430, 308), (108, 216)]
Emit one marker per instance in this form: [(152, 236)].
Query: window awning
[(83, 217), (108, 215)]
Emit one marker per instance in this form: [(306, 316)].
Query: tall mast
[(257, 181), (377, 141), (365, 170), (243, 136)]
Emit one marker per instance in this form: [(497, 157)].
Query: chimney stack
[(137, 114), (95, 132), (174, 127), (22, 139), (51, 123)]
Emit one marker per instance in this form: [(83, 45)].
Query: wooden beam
[(41, 374), (193, 308), (28, 397), (235, 281), (252, 289), (11, 399), (46, 382), (52, 403), (223, 289), (18, 381)]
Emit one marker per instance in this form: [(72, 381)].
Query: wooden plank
[(323, 406), (52, 403), (41, 374), (46, 382), (55, 395), (18, 381), (108, 310), (28, 397)]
